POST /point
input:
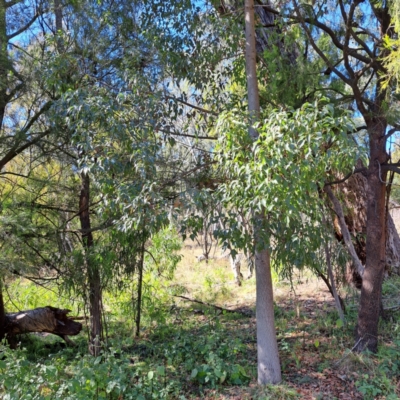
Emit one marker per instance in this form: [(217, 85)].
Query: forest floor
[(188, 350), (315, 348)]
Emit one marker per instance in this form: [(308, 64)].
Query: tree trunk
[(4, 63), (2, 312), (93, 272), (371, 290), (352, 195), (140, 287), (268, 363), (58, 14), (44, 319)]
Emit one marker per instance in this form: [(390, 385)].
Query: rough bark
[(44, 319), (268, 34), (58, 14), (371, 290), (93, 272), (352, 198), (268, 363), (344, 229)]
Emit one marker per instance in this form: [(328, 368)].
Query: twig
[(392, 308), (213, 305), (351, 351)]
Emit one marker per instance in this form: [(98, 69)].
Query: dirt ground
[(316, 360)]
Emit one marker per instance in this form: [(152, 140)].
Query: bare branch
[(192, 105), (186, 135), (317, 49), (344, 179), (25, 27), (16, 149)]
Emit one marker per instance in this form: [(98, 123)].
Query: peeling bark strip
[(351, 197), (345, 231), (44, 319)]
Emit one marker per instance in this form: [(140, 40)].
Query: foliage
[(392, 59), (380, 380), (193, 351), (282, 173), (107, 377), (126, 97)]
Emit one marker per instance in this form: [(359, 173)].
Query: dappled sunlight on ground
[(314, 346)]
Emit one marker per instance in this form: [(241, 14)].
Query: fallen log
[(44, 319)]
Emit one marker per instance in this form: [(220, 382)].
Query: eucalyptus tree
[(41, 62), (267, 347), (24, 101), (345, 42)]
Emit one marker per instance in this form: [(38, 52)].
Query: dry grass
[(313, 347)]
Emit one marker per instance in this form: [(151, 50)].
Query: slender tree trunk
[(93, 272), (4, 62), (2, 312), (338, 300), (58, 14), (268, 364), (140, 286), (371, 290)]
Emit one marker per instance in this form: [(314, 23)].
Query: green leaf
[(339, 323), (194, 373), (110, 386), (161, 370)]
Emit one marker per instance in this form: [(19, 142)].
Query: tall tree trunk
[(4, 62), (268, 364), (371, 290), (93, 272)]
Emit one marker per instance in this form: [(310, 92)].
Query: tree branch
[(203, 110), (25, 27), (317, 49), (15, 150), (214, 306), (356, 171), (11, 3)]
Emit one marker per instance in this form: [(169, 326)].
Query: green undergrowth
[(181, 359), (191, 351)]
